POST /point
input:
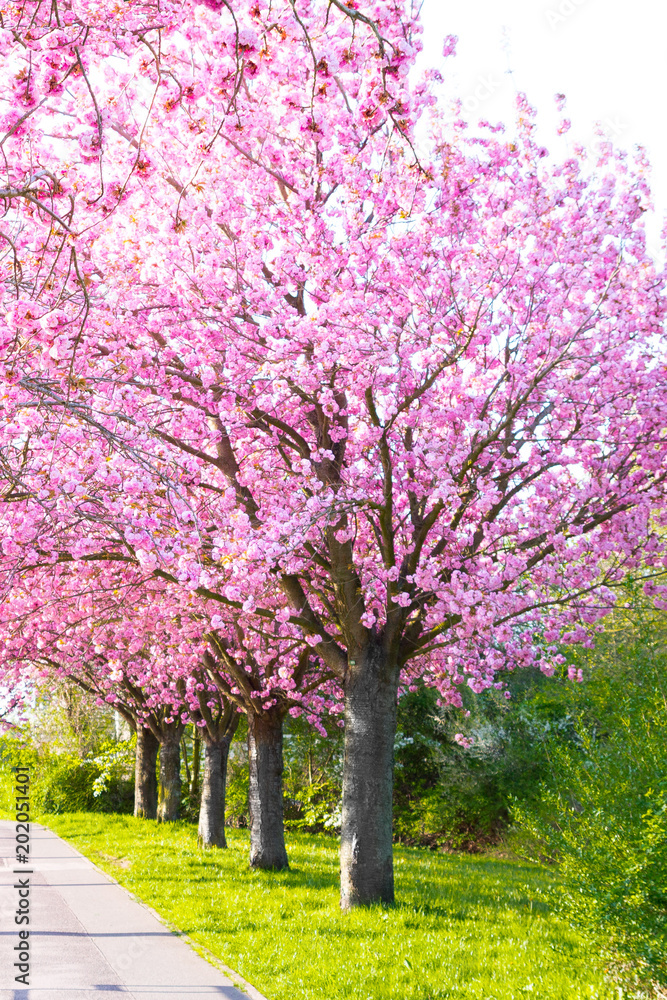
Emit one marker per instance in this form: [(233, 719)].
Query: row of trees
[(577, 768), (301, 411)]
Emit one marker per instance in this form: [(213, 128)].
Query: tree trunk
[(211, 831), (169, 798), (265, 753), (366, 855), (145, 781)]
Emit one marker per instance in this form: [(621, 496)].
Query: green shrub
[(113, 785), (313, 777), (61, 781), (457, 797), (603, 812), (318, 809), (237, 813)]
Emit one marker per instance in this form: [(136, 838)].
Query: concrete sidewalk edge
[(200, 949)]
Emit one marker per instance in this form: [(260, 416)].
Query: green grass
[(464, 927)]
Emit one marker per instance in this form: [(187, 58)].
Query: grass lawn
[(464, 926)]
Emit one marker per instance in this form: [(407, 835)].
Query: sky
[(609, 57)]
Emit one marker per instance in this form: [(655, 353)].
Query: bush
[(456, 797), (603, 813), (62, 782), (313, 778), (237, 812)]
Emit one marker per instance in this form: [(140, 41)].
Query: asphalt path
[(88, 935)]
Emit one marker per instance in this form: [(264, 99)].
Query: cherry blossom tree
[(267, 677), (218, 720)]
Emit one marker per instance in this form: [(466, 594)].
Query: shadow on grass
[(211, 874), (467, 909)]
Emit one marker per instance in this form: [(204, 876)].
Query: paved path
[(89, 937)]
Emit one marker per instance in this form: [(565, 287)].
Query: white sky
[(609, 57)]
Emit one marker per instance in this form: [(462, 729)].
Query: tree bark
[(265, 753), (145, 780), (211, 831), (366, 854), (169, 796)]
